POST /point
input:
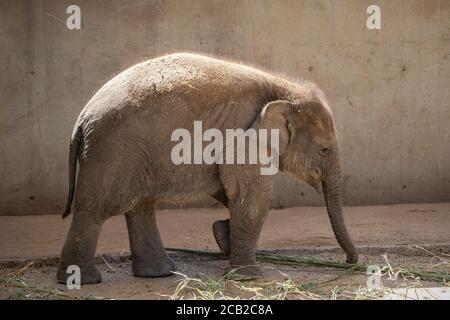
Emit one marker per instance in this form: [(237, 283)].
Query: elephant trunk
[(331, 184)]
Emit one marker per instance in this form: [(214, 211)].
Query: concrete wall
[(389, 88)]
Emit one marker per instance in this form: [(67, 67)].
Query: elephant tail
[(73, 157)]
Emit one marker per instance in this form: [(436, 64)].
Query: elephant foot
[(89, 274), (244, 272), (154, 268), (352, 258), (221, 231)]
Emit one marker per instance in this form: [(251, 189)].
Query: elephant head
[(308, 149)]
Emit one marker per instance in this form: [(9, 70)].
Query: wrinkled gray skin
[(122, 140)]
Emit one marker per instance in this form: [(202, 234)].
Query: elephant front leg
[(221, 228), (221, 232), (248, 209), (150, 259)]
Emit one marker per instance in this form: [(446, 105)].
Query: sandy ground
[(35, 236), (119, 283), (304, 231)]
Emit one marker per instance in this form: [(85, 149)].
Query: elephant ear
[(274, 115)]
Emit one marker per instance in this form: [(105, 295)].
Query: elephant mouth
[(316, 180), (318, 186)]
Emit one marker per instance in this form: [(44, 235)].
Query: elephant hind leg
[(150, 259), (79, 248)]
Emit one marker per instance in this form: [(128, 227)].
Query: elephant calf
[(122, 141)]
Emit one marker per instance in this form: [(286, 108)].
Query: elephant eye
[(314, 122), (324, 151)]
